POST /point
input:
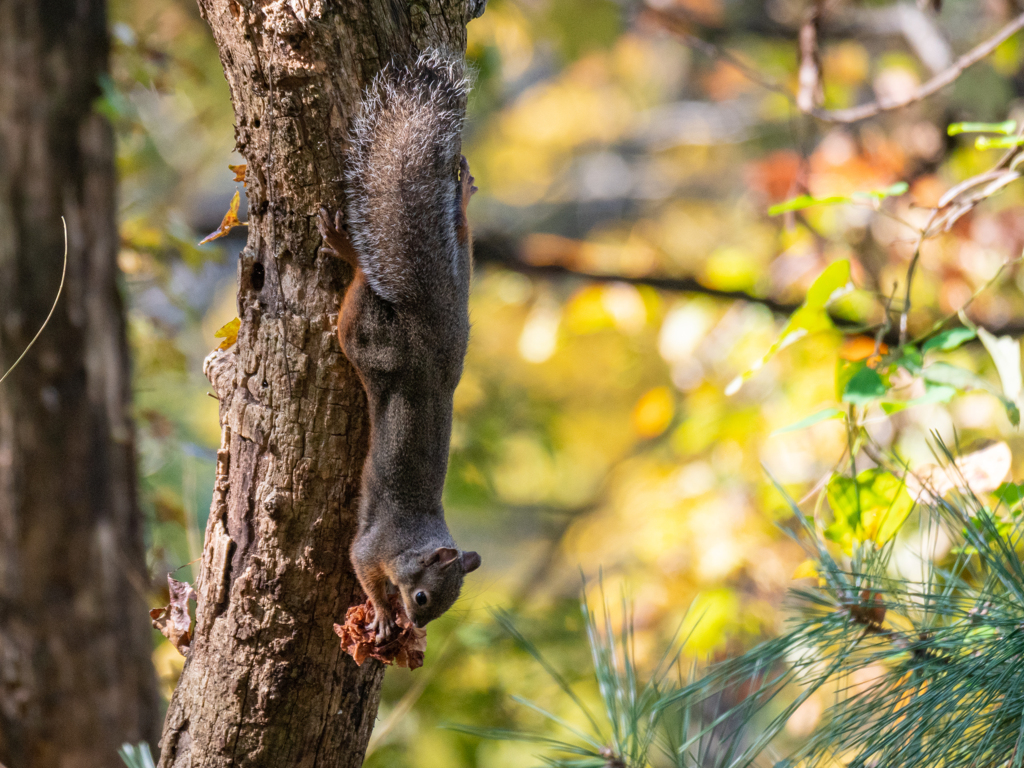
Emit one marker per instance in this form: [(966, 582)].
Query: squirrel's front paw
[(383, 626)]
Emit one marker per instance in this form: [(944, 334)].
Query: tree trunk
[(76, 680), (266, 683)]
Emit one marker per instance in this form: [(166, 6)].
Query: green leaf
[(810, 421), (864, 387), (997, 142), (1005, 353), (870, 508), (805, 201), (944, 373), (911, 360), (846, 370), (1012, 412), (934, 393), (951, 375), (1005, 128), (812, 316), (831, 284), (1010, 494), (949, 340), (808, 201), (894, 190)]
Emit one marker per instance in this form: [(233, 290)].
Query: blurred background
[(625, 170)]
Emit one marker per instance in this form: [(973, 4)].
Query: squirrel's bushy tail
[(402, 175)]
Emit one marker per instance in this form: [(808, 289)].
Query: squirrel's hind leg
[(466, 190)]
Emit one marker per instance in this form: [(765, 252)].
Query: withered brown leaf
[(981, 472), (239, 171), (173, 620), (406, 649)]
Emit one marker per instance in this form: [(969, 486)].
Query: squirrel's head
[(434, 586)]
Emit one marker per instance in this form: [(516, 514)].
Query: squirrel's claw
[(465, 192), (383, 626), (466, 178), (327, 231), (335, 241)]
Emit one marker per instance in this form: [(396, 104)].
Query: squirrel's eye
[(421, 598)]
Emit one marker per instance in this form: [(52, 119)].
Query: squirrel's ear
[(470, 561), (443, 556)]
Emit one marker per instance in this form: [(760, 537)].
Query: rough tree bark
[(266, 683), (76, 680)]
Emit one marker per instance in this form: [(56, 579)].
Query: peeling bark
[(266, 683), (76, 679)]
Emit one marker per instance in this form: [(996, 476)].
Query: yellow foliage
[(653, 412)]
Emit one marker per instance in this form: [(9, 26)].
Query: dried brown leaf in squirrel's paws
[(173, 620), (406, 649)]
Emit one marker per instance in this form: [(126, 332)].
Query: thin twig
[(886, 325), (810, 93), (46, 322), (910, 277), (929, 88), (676, 22), (498, 252)]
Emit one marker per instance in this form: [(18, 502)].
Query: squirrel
[(404, 326)]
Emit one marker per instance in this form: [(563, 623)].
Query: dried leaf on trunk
[(173, 620), (406, 649), (229, 222), (239, 171)]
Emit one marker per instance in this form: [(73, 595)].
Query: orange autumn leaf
[(860, 348), (229, 222), (654, 412), (239, 171), (776, 175), (229, 333)]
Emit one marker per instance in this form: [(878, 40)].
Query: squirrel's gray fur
[(404, 325), (402, 177)]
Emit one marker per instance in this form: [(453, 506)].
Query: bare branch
[(810, 94), (505, 253), (679, 25), (929, 88)]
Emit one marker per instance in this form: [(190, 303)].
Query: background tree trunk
[(76, 678), (266, 683)]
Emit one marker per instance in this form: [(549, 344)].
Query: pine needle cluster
[(913, 672)]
